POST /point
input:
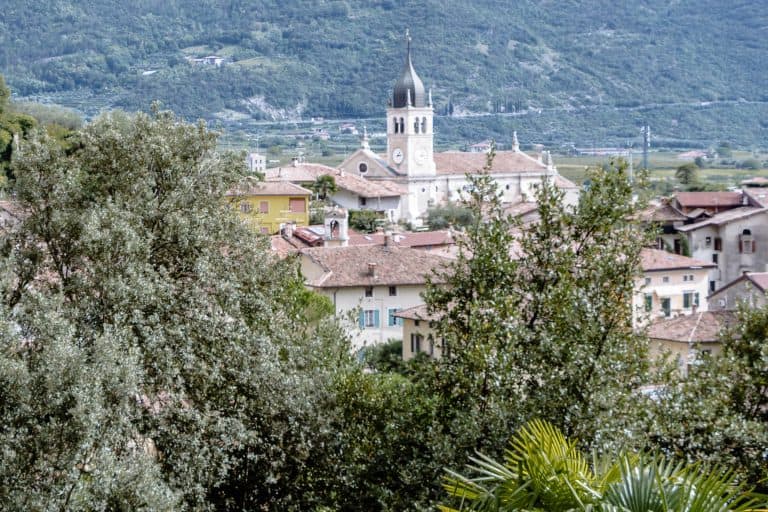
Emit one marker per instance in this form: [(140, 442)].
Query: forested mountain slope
[(292, 58)]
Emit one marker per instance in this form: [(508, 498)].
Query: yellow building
[(267, 205)]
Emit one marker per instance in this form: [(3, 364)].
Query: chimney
[(372, 269)]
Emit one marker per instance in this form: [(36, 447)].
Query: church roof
[(459, 162), (306, 172), (409, 85)]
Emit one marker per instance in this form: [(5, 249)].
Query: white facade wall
[(351, 300), (671, 285), (731, 262), (351, 201)]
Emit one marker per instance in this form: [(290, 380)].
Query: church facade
[(431, 178)]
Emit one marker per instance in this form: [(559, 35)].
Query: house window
[(416, 340), (647, 281), (264, 206), (245, 207), (648, 302), (368, 318), (718, 244), (690, 299), (362, 167), (715, 257), (392, 320), (666, 306), (665, 279), (369, 291), (746, 242), (711, 286), (423, 125), (416, 125), (431, 340), (297, 205), (394, 121), (708, 241), (393, 291), (416, 323), (362, 201)]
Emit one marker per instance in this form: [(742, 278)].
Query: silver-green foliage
[(177, 369)]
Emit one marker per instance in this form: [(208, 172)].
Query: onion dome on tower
[(409, 90)]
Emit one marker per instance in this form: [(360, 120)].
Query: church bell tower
[(410, 139)]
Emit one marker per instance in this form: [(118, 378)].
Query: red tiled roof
[(708, 199), (703, 327), (724, 217), (655, 259), (405, 239), (306, 172), (661, 213), (269, 188), (350, 266), (459, 162), (417, 313), (760, 279)]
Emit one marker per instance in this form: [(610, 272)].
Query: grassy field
[(662, 166)]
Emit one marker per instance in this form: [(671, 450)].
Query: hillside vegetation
[(695, 69)]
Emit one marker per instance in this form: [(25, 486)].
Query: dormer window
[(746, 242)]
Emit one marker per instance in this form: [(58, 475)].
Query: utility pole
[(646, 144)]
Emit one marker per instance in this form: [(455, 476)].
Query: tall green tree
[(127, 237), (687, 174), (537, 319)]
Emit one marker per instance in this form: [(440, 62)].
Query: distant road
[(531, 112)]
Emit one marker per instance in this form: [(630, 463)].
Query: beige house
[(369, 285), (419, 334), (686, 338), (670, 285), (751, 287)]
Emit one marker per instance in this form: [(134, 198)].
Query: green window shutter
[(376, 318), (361, 319)]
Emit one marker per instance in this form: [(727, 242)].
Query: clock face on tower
[(397, 156)]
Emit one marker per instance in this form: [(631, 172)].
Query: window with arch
[(395, 125), (423, 125), (746, 242), (416, 125), (402, 125)]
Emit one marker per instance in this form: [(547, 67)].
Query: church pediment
[(367, 164)]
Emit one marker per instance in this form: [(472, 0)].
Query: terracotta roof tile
[(708, 199), (350, 266), (306, 172), (459, 162), (655, 259), (417, 313), (724, 217), (702, 327), (405, 239), (269, 188)]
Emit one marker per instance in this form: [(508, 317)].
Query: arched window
[(402, 125), (746, 242), (394, 122), (416, 125), (423, 125)]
